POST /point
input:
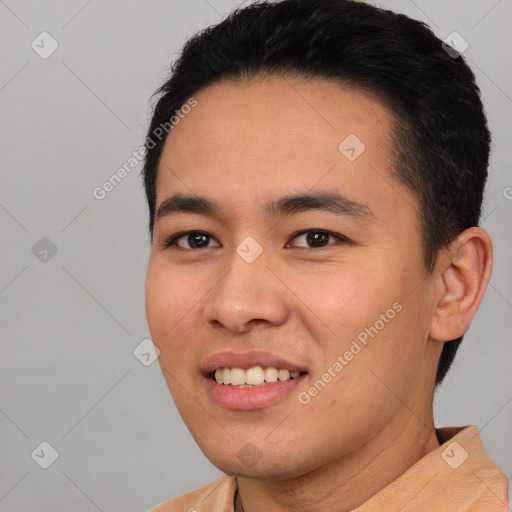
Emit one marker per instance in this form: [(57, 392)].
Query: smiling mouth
[(253, 377)]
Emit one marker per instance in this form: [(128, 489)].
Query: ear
[(462, 283)]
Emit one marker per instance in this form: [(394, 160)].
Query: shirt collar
[(457, 476)]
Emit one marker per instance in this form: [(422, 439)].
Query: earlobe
[(462, 283)]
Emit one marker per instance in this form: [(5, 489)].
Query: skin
[(246, 143)]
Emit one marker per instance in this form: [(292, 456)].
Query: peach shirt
[(456, 477)]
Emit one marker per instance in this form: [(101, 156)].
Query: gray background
[(70, 324)]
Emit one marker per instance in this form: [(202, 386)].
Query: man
[(316, 259)]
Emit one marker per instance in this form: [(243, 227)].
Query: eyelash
[(169, 242)]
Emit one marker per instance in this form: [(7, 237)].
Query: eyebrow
[(288, 205)]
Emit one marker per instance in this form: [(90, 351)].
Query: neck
[(343, 484)]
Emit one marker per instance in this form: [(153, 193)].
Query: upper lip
[(246, 360)]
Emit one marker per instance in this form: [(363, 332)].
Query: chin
[(248, 463)]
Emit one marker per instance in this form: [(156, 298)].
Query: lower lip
[(249, 399)]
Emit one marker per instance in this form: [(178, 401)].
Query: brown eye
[(317, 239), (190, 239)]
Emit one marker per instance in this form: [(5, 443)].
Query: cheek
[(157, 299), (366, 316), (170, 299), (345, 299)]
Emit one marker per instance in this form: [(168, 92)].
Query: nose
[(246, 294)]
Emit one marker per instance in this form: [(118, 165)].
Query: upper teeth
[(253, 376)]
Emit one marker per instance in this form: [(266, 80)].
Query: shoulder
[(217, 495)]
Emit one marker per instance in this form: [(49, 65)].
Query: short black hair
[(441, 140)]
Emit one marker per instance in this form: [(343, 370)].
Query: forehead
[(277, 135), (279, 114)]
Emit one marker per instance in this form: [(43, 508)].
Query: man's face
[(353, 312)]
